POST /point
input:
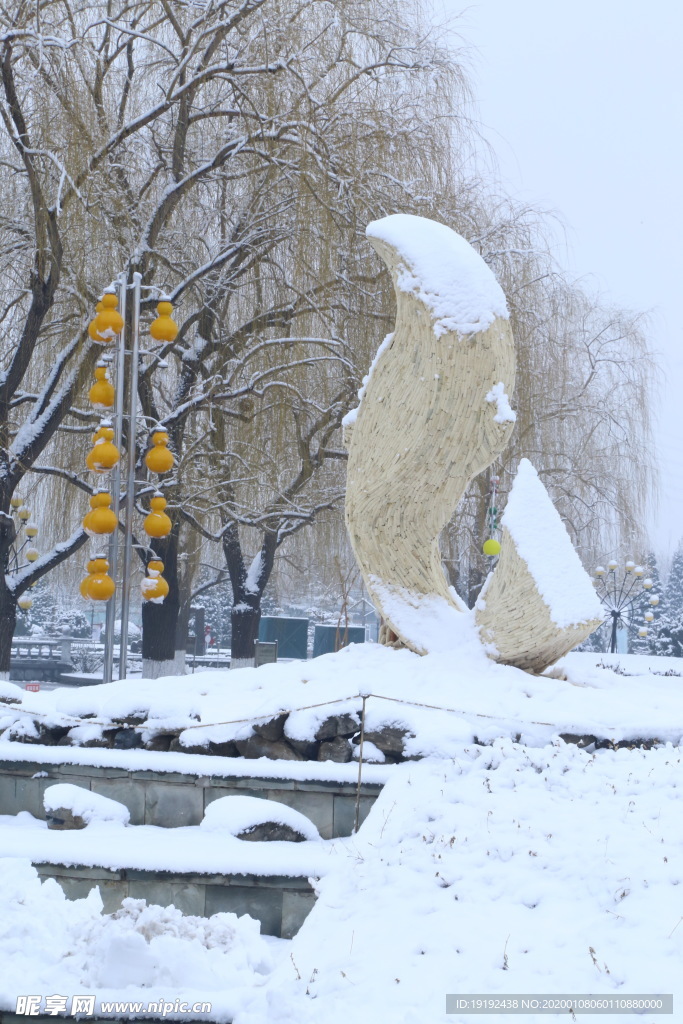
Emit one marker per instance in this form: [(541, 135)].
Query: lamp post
[(619, 594), (108, 328)]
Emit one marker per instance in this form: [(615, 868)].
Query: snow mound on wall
[(542, 541), (89, 806), (441, 268), (235, 814)]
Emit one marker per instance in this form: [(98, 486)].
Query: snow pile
[(503, 870), (53, 945), (542, 541), (235, 814), (86, 805), (480, 699), (504, 411), (441, 268), (428, 621)]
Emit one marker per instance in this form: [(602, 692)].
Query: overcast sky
[(581, 101)]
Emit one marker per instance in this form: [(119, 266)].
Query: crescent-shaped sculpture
[(434, 413)]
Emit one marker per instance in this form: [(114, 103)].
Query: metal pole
[(113, 553), (130, 482)]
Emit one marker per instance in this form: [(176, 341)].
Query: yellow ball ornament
[(157, 523), (101, 519), (164, 328), (154, 587), (159, 459), (98, 585), (491, 547), (102, 393), (105, 454), (108, 322), (25, 603)]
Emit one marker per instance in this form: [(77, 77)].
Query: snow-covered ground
[(484, 700), (518, 866)]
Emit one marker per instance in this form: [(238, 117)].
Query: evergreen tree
[(654, 642), (671, 620)]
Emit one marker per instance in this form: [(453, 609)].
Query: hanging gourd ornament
[(93, 325), (154, 587), (101, 518), (104, 454), (108, 322), (491, 547), (101, 394), (157, 523), (159, 459), (98, 585), (164, 328)]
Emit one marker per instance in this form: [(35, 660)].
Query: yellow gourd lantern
[(101, 518), (164, 328), (159, 459), (154, 587), (98, 585), (157, 523), (92, 326), (104, 454), (108, 322), (491, 547), (102, 393)]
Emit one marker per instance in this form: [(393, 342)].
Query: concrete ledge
[(280, 903), (172, 799)]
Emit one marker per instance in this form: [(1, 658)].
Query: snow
[(251, 583), (235, 814), (89, 806), (503, 870), (542, 541), (352, 414), (149, 953), (186, 849), (504, 411), (525, 865), (441, 268), (481, 698)]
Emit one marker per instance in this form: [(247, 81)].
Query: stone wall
[(173, 799)]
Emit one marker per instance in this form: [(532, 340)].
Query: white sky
[(581, 101)]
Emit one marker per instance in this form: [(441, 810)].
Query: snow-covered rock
[(249, 817), (69, 806)]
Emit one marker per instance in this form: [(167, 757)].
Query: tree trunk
[(159, 621), (8, 618), (245, 618), (247, 591)]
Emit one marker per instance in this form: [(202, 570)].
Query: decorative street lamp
[(108, 330), (22, 551), (620, 593)]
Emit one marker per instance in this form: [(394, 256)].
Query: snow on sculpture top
[(555, 566), (443, 271), (435, 412)]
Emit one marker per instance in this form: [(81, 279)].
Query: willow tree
[(218, 149)]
